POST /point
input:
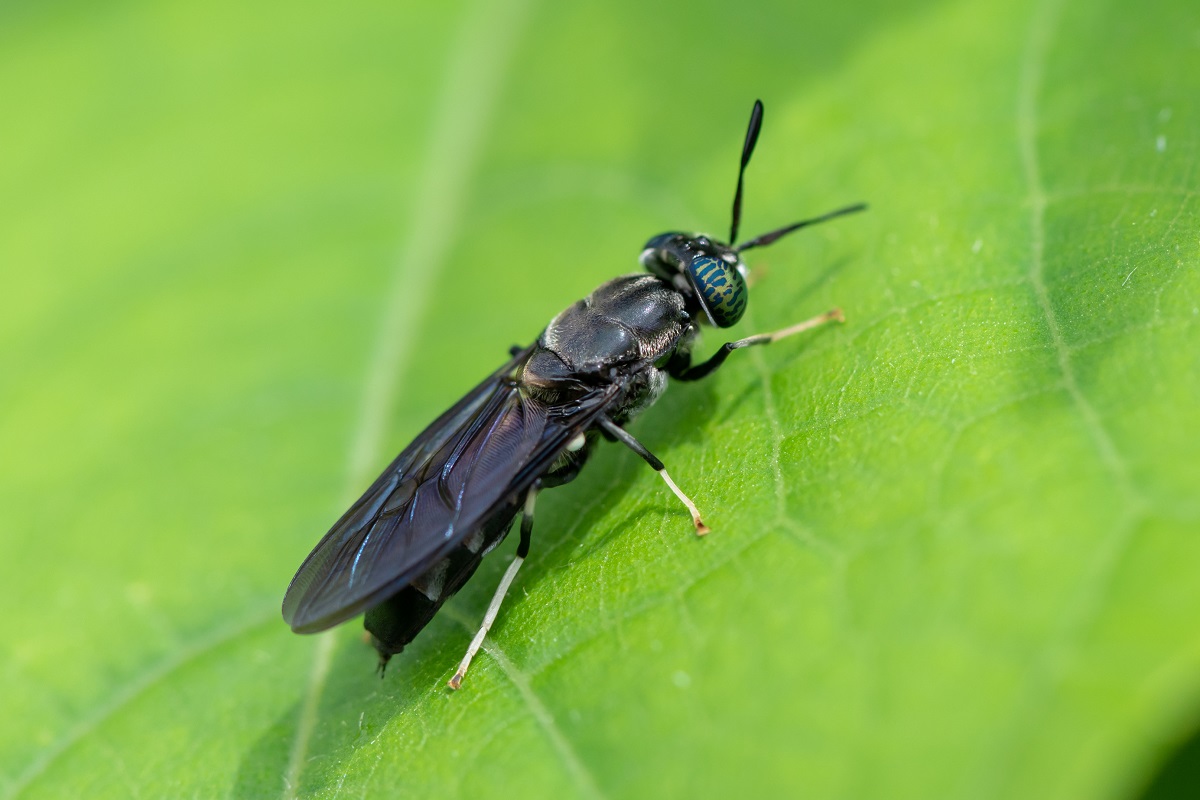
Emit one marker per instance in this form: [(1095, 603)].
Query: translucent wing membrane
[(473, 459)]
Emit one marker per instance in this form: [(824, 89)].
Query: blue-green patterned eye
[(722, 288)]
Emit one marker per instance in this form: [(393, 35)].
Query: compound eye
[(721, 287)]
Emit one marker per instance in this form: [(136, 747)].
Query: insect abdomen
[(396, 621)]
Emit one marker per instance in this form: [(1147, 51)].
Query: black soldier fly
[(422, 528)]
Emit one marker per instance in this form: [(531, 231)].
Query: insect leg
[(698, 371), (509, 574), (626, 438)]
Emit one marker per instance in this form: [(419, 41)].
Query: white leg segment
[(488, 619), (800, 327), (701, 528), (501, 590)]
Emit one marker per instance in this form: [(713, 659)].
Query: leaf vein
[(1052, 662), (130, 692), (1027, 125), (538, 710)]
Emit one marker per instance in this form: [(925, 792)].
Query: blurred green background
[(247, 251)]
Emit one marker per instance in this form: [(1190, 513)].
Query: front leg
[(681, 370)]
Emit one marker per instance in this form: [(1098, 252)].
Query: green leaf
[(249, 250)]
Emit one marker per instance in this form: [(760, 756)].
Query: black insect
[(416, 536)]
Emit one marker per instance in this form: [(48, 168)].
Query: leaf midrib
[(472, 79)]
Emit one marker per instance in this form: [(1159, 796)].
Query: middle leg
[(626, 438)]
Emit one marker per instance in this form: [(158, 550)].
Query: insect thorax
[(628, 319)]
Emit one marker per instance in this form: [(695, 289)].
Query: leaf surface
[(248, 251)]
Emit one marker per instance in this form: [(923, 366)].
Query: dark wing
[(490, 446)]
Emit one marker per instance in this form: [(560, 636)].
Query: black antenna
[(767, 238), (747, 150)]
